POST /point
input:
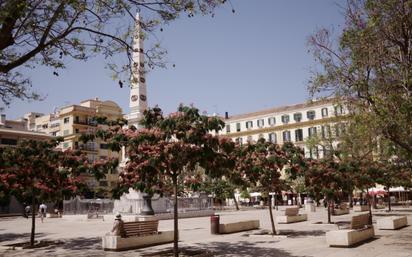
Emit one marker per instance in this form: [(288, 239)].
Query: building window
[(285, 119), (66, 120), (339, 110), (311, 115), (45, 126), (286, 136), (66, 132), (228, 128), (272, 138), (298, 135), (76, 119), (8, 141), (272, 121), (297, 116), (76, 131), (324, 112), (249, 124), (314, 153), (325, 131), (326, 151), (340, 129), (238, 127), (312, 131), (104, 146), (260, 123)]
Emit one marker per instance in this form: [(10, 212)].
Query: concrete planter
[(392, 222), (349, 237), (291, 219), (238, 226), (117, 243), (360, 208)]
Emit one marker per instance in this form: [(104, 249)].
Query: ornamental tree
[(34, 171), (168, 149), (261, 164), (323, 179)]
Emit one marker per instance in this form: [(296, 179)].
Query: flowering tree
[(323, 179), (34, 171), (167, 151), (261, 164)]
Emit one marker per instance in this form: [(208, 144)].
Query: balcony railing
[(88, 123)]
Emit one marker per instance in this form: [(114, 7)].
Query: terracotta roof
[(281, 109)]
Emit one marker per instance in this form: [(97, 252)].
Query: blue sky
[(254, 59)]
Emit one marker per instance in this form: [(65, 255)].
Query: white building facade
[(294, 123)]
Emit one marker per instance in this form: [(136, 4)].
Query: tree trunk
[(368, 199), (33, 220), (350, 197), (271, 216), (236, 203), (329, 211), (389, 200), (175, 219)]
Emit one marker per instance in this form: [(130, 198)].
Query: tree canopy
[(48, 33), (369, 68)]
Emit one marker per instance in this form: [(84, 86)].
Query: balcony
[(87, 123)]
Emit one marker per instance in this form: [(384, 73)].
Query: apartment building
[(293, 123), (13, 131)]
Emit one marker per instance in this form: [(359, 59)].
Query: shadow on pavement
[(296, 234), (388, 214), (10, 237), (244, 248), (82, 243)]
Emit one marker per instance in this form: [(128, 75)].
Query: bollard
[(214, 224)]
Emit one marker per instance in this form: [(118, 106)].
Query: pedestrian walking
[(42, 210)]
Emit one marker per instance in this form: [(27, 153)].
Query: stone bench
[(291, 215), (360, 208), (343, 209), (137, 234), (394, 222), (234, 227), (358, 232), (53, 215)]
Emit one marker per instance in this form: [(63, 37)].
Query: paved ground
[(82, 238)]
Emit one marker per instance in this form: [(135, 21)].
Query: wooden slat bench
[(359, 230), (140, 228), (137, 234), (291, 215)]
